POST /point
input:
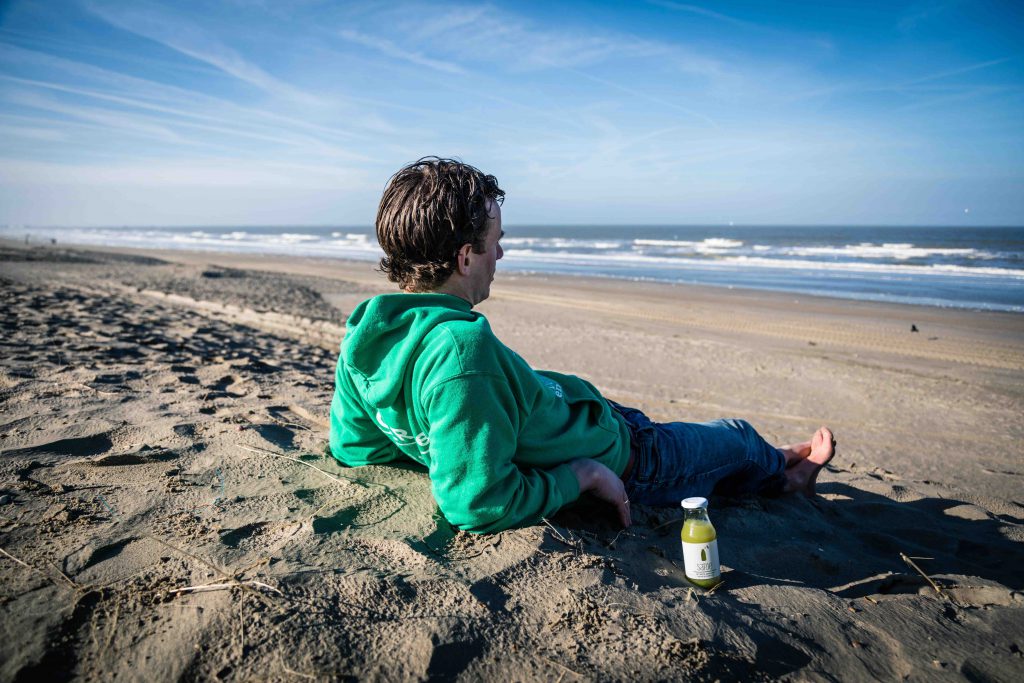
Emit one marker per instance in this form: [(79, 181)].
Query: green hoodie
[(421, 376)]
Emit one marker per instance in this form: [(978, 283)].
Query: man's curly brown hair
[(429, 210)]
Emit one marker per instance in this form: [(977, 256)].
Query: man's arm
[(601, 482), (355, 440), (474, 424)]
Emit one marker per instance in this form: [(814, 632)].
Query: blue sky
[(296, 112)]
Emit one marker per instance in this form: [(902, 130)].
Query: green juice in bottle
[(700, 545)]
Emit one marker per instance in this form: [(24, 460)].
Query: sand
[(168, 511)]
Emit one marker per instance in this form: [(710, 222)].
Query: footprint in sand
[(449, 660), (116, 377), (230, 385), (143, 456), (112, 561), (296, 415), (258, 535), (282, 437), (365, 513), (233, 538), (95, 444), (185, 429), (489, 591), (339, 521)]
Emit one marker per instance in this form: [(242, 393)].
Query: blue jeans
[(677, 460)]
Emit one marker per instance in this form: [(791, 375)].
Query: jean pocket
[(648, 463)]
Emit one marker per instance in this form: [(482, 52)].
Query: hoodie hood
[(383, 338)]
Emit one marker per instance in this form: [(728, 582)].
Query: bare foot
[(799, 451), (802, 475), (795, 452)]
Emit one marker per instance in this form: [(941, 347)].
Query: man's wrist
[(583, 468)]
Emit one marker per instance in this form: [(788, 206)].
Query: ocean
[(978, 268)]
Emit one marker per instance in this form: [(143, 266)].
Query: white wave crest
[(741, 262), (563, 243), (897, 251), (709, 243)]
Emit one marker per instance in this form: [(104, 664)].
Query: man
[(422, 377)]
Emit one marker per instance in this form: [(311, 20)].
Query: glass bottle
[(700, 545)]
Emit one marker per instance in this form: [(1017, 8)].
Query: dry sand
[(163, 427)]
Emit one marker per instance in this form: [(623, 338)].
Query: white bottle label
[(701, 560)]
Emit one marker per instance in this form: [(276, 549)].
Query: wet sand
[(164, 424)]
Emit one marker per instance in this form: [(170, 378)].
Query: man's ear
[(463, 259)]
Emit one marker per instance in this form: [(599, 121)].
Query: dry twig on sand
[(209, 587), (265, 600), (23, 564), (664, 524), (93, 389), (74, 586), (341, 480), (573, 543), (611, 544), (918, 570), (564, 668)]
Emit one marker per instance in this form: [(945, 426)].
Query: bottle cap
[(694, 503)]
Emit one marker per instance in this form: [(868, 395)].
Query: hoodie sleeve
[(355, 440), (479, 488)]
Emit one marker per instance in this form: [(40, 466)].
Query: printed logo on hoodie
[(402, 437), (552, 386)]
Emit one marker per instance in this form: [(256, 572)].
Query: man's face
[(483, 264)]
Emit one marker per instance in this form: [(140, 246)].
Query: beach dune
[(169, 509)]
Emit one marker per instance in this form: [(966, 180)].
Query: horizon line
[(10, 226)]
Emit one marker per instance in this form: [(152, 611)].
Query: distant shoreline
[(982, 271), (748, 299)]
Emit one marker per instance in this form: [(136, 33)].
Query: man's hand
[(597, 480)]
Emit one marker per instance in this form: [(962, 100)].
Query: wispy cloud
[(502, 42), (115, 121), (814, 42), (650, 98), (186, 107), (158, 24), (444, 20), (192, 172), (701, 11), (169, 118), (916, 87), (32, 133), (390, 49), (507, 40), (922, 12), (956, 72), (48, 44), (958, 96)]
